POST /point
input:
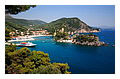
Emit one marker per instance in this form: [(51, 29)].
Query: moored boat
[(113, 45), (26, 44)]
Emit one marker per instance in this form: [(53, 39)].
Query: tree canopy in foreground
[(15, 9), (24, 61)]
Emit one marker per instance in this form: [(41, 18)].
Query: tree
[(10, 48), (7, 36), (86, 38), (49, 69), (60, 35), (24, 61), (55, 68), (15, 9)]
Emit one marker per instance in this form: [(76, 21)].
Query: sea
[(81, 59)]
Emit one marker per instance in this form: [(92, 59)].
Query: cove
[(81, 59)]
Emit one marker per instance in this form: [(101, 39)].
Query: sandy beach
[(30, 36), (26, 38)]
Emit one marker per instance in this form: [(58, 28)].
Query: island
[(88, 40), (81, 39)]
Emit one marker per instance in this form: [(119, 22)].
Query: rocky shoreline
[(98, 43), (82, 39)]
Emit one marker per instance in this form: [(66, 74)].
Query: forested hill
[(70, 24), (12, 27), (23, 22)]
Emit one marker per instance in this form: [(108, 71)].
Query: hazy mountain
[(23, 22)]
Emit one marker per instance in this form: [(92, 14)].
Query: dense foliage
[(70, 24), (61, 35), (13, 27), (7, 36), (86, 37), (23, 22), (15, 9), (24, 61)]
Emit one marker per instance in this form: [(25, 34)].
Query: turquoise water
[(81, 59)]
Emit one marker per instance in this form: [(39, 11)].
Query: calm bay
[(81, 59)]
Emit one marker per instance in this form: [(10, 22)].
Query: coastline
[(38, 35), (80, 53), (26, 38)]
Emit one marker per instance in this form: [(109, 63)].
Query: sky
[(93, 15)]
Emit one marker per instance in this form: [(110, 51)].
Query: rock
[(97, 43)]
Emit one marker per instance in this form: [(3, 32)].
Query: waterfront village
[(79, 37), (28, 35), (59, 36)]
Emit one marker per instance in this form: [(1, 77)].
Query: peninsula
[(71, 29)]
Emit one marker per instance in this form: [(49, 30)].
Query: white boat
[(26, 44)]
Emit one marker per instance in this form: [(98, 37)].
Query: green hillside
[(23, 22), (10, 27), (13, 26), (70, 24)]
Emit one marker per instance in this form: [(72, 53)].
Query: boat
[(113, 45), (26, 44)]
